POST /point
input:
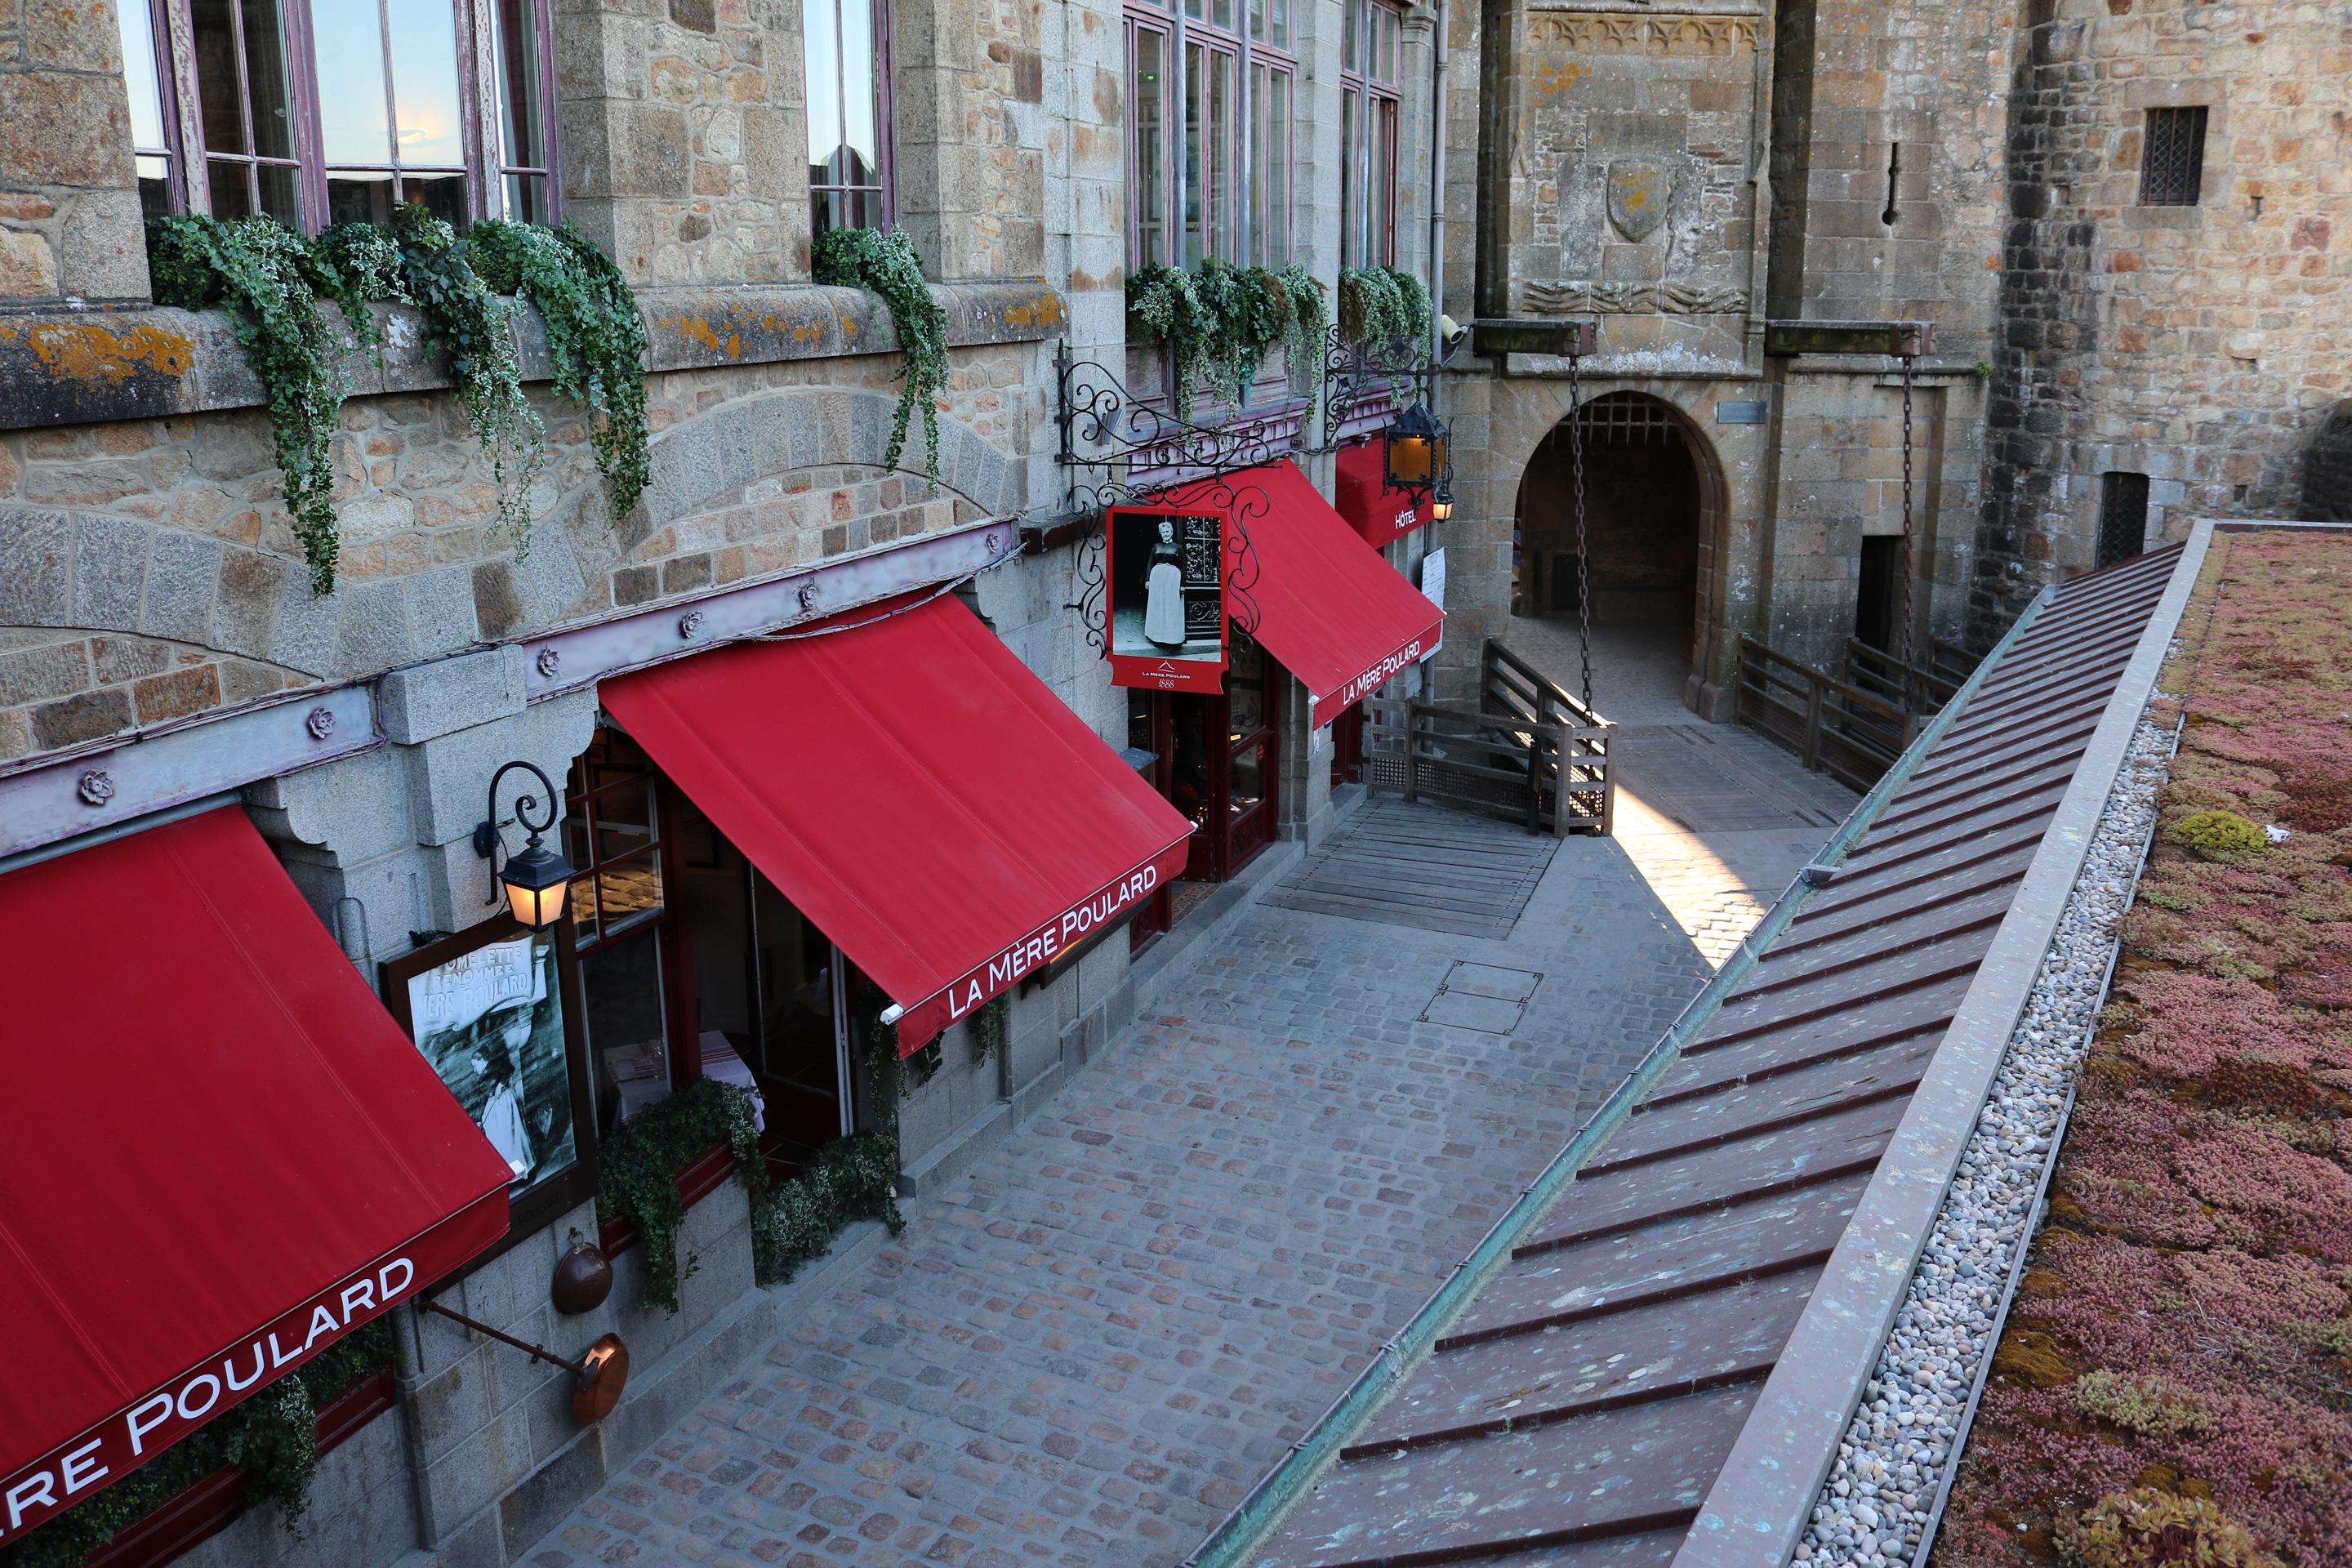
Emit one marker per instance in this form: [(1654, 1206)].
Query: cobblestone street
[(1088, 1350)]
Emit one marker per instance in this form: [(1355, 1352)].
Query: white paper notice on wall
[(1433, 588)]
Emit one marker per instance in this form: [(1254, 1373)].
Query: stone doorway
[(1653, 498)]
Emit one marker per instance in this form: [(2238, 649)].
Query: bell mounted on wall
[(583, 1278)]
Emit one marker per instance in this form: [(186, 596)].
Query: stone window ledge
[(90, 367)]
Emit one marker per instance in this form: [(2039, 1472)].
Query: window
[(154, 141), (1370, 41), (2122, 518), (389, 127), (631, 949), (848, 114), (2173, 162), (244, 105), (1190, 199), (692, 965), (317, 111)]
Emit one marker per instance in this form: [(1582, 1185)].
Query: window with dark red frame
[(1370, 39), (847, 48), (315, 111), (1210, 146), (635, 964)]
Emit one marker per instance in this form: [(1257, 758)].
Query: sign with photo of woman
[(490, 1020), (1167, 597)]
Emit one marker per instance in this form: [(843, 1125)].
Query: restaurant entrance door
[(1213, 759)]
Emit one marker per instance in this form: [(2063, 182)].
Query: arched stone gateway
[(1655, 511)]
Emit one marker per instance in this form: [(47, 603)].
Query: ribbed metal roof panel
[(1577, 1410)]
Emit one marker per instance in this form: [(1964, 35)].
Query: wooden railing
[(1848, 733), (1952, 662), (1888, 679), (1530, 751)]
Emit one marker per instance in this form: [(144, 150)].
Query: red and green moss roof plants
[(2174, 1384)]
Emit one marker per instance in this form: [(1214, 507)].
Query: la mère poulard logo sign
[(1166, 572), (131, 1436)]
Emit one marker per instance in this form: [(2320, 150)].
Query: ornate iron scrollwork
[(1124, 453), (1355, 380)]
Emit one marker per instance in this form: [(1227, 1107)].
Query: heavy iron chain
[(1583, 564), (1903, 562)]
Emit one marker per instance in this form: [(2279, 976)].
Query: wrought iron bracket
[(1119, 452), (1104, 428), (1353, 376)]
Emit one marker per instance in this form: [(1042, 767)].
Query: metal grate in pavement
[(1417, 866)]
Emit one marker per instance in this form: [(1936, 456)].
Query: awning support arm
[(537, 1352)]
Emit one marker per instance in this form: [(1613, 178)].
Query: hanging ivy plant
[(989, 1027), (1303, 327), (595, 337), (1164, 307), (1218, 322), (638, 1165), (470, 327), (271, 282), (272, 1437), (1382, 309), (270, 279), (885, 263), (796, 1219)]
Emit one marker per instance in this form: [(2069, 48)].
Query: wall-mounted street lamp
[(535, 878), (1441, 504), (1416, 459)]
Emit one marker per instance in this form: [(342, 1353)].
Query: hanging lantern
[(1416, 458), (535, 878), (1441, 504)]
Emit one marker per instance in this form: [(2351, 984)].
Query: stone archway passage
[(1654, 505), (1642, 516)]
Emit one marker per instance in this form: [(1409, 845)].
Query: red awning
[(1376, 512), (217, 1151), (915, 792), (1336, 615)]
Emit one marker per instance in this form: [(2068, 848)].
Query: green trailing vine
[(470, 325), (272, 1437), (989, 1027), (796, 1219), (272, 281), (639, 1162), (1302, 332), (1218, 321), (1382, 309), (884, 263), (1164, 307), (792, 1220), (596, 338)]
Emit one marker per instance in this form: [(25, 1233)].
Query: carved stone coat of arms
[(1640, 191)]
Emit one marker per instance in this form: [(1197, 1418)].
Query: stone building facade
[(158, 625), (1685, 174)]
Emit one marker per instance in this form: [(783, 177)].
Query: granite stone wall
[(2199, 345)]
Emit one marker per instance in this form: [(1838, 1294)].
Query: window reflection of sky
[(354, 122)]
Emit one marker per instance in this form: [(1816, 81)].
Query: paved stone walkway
[(1086, 1352)]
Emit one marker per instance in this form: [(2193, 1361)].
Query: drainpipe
[(1436, 199)]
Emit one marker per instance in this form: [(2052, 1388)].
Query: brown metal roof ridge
[(1756, 1510), (1290, 1484)]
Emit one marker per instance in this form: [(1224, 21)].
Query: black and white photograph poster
[(1167, 580), (491, 1023)]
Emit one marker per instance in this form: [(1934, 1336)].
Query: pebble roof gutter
[(1655, 1365)]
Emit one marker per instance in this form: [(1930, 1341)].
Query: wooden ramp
[(1418, 866)]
